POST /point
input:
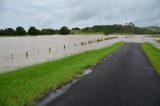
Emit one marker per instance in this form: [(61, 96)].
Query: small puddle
[(53, 95)]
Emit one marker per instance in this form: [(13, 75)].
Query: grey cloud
[(87, 9), (56, 13)]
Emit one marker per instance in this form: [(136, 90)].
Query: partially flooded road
[(126, 78)]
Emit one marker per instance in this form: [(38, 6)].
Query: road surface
[(124, 79)]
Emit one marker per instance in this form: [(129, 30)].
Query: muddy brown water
[(16, 52)]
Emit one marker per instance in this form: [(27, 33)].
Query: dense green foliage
[(153, 54), (20, 31), (120, 29), (33, 31), (155, 29), (48, 31), (103, 28), (21, 87), (76, 28), (106, 32), (7, 31), (128, 28), (64, 31)]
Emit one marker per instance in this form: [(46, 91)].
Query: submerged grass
[(155, 35), (23, 86), (153, 54)]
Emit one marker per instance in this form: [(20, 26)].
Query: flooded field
[(18, 52), (153, 40)]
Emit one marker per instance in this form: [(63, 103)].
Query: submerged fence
[(38, 55)]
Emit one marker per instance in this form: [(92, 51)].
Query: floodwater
[(153, 40), (16, 52)]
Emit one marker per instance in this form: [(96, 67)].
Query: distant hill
[(153, 28), (118, 29)]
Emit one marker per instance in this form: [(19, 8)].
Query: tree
[(20, 31), (2, 32), (9, 31), (64, 31), (76, 28), (33, 31), (47, 32), (129, 28), (87, 29), (106, 32)]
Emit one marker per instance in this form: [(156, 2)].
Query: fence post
[(27, 55), (49, 50), (64, 47), (12, 58)]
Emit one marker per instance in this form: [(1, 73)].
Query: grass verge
[(153, 54), (23, 86), (87, 33), (155, 35)]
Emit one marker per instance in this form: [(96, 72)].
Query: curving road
[(124, 79)]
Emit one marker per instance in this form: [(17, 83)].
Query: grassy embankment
[(86, 33), (153, 54), (92, 33), (24, 86), (155, 35)]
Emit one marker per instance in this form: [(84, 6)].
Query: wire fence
[(34, 56)]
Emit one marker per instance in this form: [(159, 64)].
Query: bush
[(106, 32), (20, 31), (64, 31), (9, 31), (47, 32), (33, 31)]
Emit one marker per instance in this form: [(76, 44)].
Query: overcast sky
[(80, 13)]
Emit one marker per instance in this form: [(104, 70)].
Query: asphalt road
[(125, 79)]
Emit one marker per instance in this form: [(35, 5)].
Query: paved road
[(125, 79)]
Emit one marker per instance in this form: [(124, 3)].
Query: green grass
[(155, 35), (78, 32), (153, 54), (158, 41), (94, 33), (154, 29), (23, 86), (86, 33)]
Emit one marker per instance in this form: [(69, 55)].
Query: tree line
[(33, 31), (128, 28)]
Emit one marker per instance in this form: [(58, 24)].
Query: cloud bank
[(81, 13)]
